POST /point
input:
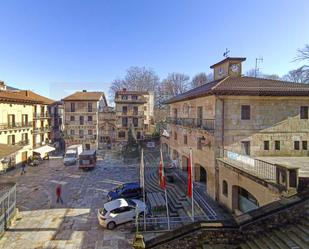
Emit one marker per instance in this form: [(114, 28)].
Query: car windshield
[(131, 203), (69, 155)]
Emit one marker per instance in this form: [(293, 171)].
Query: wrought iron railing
[(15, 125), (205, 124), (257, 167), (7, 204)]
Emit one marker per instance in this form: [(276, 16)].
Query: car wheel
[(111, 225)]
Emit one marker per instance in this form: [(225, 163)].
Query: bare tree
[(198, 80), (303, 54), (174, 84), (136, 79), (299, 75)]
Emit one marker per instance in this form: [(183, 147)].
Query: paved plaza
[(44, 224)]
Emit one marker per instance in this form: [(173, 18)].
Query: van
[(71, 155), (126, 190)]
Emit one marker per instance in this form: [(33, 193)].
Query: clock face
[(235, 68)]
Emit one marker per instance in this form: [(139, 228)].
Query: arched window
[(224, 188)]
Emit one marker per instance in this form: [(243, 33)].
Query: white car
[(120, 211)]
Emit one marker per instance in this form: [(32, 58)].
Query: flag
[(189, 193), (161, 173)]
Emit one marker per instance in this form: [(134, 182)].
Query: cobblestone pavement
[(43, 224)]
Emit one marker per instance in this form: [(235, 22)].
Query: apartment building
[(42, 119), (134, 109), (249, 136), (107, 126), (57, 125), (81, 115), (16, 128)]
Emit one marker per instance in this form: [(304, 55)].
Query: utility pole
[(257, 64)]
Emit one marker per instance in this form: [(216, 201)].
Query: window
[(24, 137), (245, 112), (81, 133), (277, 145), (135, 110), (304, 112), (122, 134), (11, 139), (296, 145), (124, 110), (24, 118), (185, 139), (11, 120), (145, 108), (89, 107), (72, 107), (90, 132), (72, 132), (72, 118), (81, 120), (124, 97), (199, 143), (124, 122), (245, 147), (224, 188), (90, 118), (305, 145), (266, 145), (135, 122), (134, 97), (175, 135)]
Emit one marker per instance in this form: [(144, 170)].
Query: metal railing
[(15, 125), (7, 204), (205, 124), (41, 130), (41, 115), (130, 113), (259, 168), (161, 223)]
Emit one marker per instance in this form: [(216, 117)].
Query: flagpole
[(165, 192), (192, 178)]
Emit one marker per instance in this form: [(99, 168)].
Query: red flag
[(189, 193), (161, 173)]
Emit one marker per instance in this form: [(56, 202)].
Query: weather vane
[(226, 53)]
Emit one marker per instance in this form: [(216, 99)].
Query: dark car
[(127, 190)]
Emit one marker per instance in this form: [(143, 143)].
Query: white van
[(72, 153)]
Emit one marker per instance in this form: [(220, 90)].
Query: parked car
[(72, 153), (127, 190), (120, 211)]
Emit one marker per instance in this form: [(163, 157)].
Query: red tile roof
[(85, 96), (36, 96), (245, 86), (10, 96)]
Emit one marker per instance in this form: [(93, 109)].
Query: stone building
[(57, 125), (81, 115), (237, 126), (107, 126), (16, 128), (134, 109)]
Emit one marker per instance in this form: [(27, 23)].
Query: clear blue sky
[(56, 47)]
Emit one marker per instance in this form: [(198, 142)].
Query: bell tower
[(230, 66)]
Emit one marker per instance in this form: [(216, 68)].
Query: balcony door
[(124, 110), (11, 120), (81, 120)]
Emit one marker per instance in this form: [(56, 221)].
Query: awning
[(165, 133), (44, 149), (7, 150)]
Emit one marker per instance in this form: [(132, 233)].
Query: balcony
[(81, 123), (130, 100), (16, 125), (81, 110), (130, 113), (41, 115), (205, 124), (41, 130), (24, 142)]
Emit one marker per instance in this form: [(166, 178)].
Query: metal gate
[(7, 204)]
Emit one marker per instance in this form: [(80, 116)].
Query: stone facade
[(133, 109), (250, 126)]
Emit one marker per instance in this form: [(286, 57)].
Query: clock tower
[(230, 66)]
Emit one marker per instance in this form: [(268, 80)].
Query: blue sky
[(56, 47)]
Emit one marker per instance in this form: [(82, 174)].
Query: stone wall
[(231, 233)]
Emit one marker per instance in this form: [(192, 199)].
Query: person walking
[(23, 167), (58, 193)]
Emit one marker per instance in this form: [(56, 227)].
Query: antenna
[(257, 64), (226, 53)]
